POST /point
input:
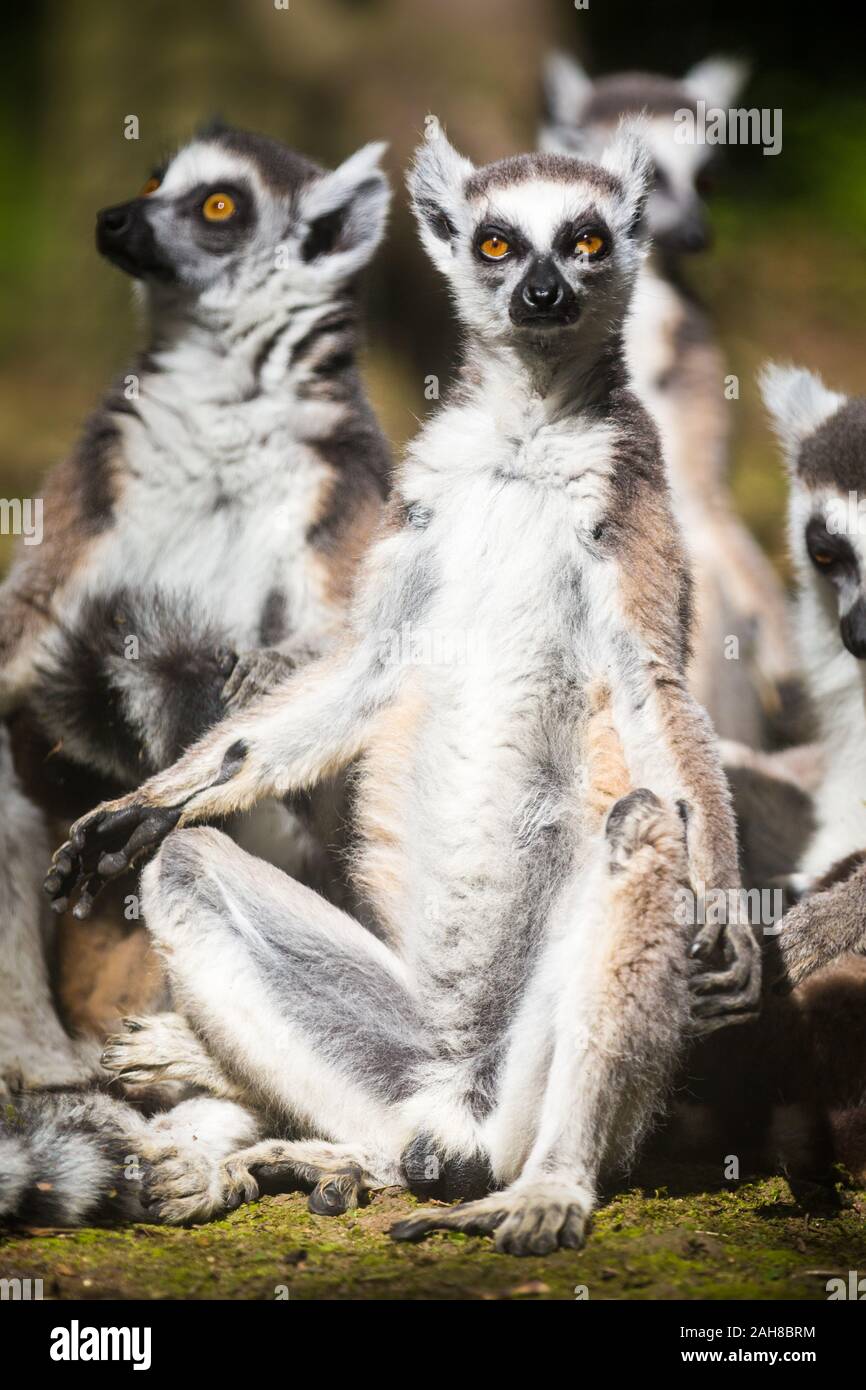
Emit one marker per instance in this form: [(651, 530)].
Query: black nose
[(114, 222), (853, 629), (543, 293)]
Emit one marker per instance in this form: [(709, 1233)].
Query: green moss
[(754, 1240)]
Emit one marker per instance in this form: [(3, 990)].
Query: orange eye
[(494, 248), (218, 207), (589, 245), (150, 187), (821, 557)]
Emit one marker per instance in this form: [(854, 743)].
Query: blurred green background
[(787, 276)]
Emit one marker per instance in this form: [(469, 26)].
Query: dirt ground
[(754, 1239)]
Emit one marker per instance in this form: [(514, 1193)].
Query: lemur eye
[(218, 207), (589, 244), (150, 187), (494, 248), (823, 558)]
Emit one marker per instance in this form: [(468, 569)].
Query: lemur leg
[(824, 927), (157, 1049), (595, 1044), (35, 1050), (304, 1004)]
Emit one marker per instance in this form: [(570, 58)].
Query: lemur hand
[(256, 673), (731, 994), (102, 845)]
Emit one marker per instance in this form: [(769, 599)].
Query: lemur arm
[(826, 925), (313, 724)]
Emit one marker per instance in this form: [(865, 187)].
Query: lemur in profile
[(202, 538), (529, 799), (679, 375), (823, 436)]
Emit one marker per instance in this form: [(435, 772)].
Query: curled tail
[(132, 682), (68, 1159)]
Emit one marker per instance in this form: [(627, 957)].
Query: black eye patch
[(830, 552), (502, 232), (217, 234), (590, 229)]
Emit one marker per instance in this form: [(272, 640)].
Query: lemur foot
[(162, 1048), (182, 1188), (531, 1218), (720, 996), (256, 673), (639, 819)]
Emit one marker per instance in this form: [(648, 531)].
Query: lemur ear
[(436, 183), (628, 158), (566, 88), (717, 81), (798, 402), (343, 213)]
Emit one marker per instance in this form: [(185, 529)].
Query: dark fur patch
[(282, 168), (836, 453), (633, 92), (522, 167)]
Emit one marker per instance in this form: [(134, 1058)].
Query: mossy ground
[(754, 1239)]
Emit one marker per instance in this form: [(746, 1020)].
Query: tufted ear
[(566, 88), (717, 81), (437, 183), (343, 213), (798, 402), (627, 156)]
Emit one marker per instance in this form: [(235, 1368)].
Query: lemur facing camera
[(823, 435), (203, 537), (679, 375), (530, 796)]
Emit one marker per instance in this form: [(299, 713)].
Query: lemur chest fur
[(223, 517), (484, 781)]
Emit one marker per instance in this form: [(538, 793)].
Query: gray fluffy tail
[(68, 1159)]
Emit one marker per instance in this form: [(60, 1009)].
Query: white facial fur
[(536, 206), (798, 402)]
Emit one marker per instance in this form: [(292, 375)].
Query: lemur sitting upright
[(678, 373), (517, 1026), (823, 435), (203, 536)]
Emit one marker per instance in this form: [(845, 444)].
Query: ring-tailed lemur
[(823, 436), (203, 536), (679, 375), (519, 1023)]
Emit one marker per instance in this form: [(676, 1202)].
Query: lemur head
[(536, 245), (823, 436), (581, 113), (231, 210)]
